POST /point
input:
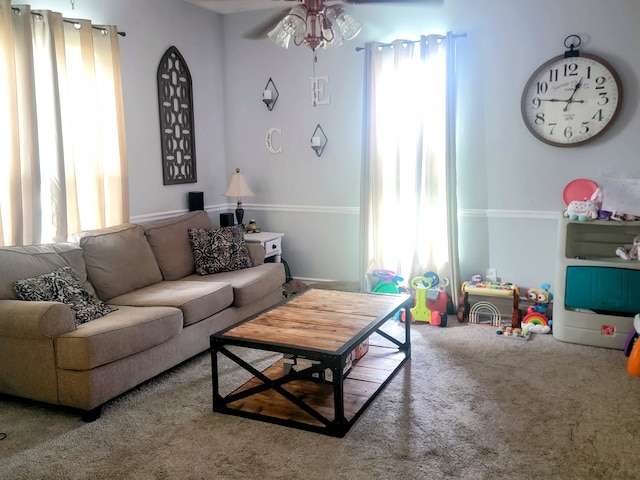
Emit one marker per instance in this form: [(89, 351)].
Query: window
[(62, 136)]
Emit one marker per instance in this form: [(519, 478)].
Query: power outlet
[(492, 274)]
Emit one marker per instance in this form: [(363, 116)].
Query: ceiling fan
[(314, 23)]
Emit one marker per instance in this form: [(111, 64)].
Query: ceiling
[(234, 6)]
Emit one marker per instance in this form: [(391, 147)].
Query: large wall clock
[(571, 99)]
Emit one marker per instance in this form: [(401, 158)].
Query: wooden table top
[(324, 320)]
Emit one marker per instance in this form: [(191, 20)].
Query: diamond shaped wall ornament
[(270, 95), (318, 140)]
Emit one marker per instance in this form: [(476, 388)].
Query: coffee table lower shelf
[(363, 382)]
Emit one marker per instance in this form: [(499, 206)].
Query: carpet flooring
[(468, 405)]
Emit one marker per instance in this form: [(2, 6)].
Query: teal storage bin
[(603, 289)]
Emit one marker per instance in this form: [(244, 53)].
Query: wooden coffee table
[(321, 329)]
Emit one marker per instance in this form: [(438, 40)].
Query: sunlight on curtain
[(65, 147), (404, 177)]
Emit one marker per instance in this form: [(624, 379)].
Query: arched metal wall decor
[(177, 136)]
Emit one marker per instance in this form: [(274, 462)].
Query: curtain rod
[(68, 20), (384, 45)]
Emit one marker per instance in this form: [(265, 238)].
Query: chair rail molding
[(334, 210)]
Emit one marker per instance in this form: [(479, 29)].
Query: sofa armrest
[(257, 253), (21, 319)]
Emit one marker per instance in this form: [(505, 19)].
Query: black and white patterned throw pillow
[(222, 250), (63, 285)]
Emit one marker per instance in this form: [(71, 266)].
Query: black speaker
[(196, 201), (226, 220)]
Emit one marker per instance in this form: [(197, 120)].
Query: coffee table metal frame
[(334, 360)]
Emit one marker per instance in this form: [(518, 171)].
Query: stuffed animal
[(582, 211), (541, 298), (632, 253)]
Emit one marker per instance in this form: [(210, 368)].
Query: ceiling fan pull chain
[(313, 69)]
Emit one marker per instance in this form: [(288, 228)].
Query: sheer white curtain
[(408, 188), (62, 141)]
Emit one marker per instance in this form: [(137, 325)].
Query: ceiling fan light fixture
[(295, 23), (289, 27), (279, 36), (348, 26), (315, 25), (332, 36)]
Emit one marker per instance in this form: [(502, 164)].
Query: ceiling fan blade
[(392, 1), (260, 31)]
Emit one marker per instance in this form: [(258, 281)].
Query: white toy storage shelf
[(597, 293)]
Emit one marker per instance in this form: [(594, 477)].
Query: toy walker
[(420, 312), (430, 299)]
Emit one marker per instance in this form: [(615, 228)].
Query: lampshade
[(238, 186)]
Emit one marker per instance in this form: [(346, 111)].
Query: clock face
[(571, 101)]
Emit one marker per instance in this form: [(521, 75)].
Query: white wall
[(510, 184)]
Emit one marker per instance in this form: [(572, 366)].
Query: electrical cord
[(3, 436)]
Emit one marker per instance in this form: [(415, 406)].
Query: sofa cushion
[(250, 284), (256, 253), (169, 240), (125, 332), (63, 285), (119, 259), (222, 250), (197, 300), (17, 263)]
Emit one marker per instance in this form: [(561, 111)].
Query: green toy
[(420, 312)]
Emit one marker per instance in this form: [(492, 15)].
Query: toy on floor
[(387, 281), (632, 253), (437, 298), (479, 308), (536, 319), (488, 289), (632, 348), (420, 312), (431, 299), (510, 332)]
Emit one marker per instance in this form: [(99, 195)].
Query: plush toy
[(582, 211), (541, 298), (632, 253)]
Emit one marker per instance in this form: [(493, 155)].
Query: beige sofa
[(165, 311)]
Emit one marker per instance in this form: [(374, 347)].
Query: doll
[(632, 253)]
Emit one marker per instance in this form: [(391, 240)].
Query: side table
[(271, 241)]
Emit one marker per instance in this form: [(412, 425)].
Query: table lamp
[(238, 188)]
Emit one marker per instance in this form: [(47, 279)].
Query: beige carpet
[(469, 405)]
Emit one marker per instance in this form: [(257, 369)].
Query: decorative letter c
[(268, 139)]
